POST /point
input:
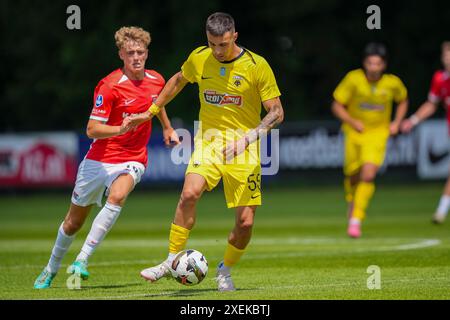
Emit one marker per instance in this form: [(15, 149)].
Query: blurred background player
[(439, 92), (233, 82), (363, 102), (117, 157)]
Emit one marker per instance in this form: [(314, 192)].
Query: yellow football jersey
[(231, 92), (370, 102)]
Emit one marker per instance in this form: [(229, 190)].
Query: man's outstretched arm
[(99, 130), (425, 111), (170, 90)]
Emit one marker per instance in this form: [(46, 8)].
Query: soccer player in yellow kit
[(363, 102), (233, 83)]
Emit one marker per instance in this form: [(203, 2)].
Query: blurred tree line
[(49, 72)]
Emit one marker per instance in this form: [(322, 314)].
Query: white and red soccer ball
[(189, 267)]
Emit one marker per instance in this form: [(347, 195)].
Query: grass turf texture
[(299, 249)]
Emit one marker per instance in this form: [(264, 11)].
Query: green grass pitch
[(299, 248)]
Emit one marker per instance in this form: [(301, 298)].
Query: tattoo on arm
[(273, 118)]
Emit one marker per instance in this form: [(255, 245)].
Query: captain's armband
[(154, 109)]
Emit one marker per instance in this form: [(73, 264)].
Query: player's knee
[(117, 198), (189, 196), (71, 226), (245, 225), (368, 176)]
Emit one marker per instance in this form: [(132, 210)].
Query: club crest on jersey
[(237, 81), (221, 99), (223, 71), (99, 101)]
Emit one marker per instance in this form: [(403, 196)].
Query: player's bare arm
[(274, 116), (400, 114), (99, 130), (426, 110), (169, 134), (170, 91), (340, 111)]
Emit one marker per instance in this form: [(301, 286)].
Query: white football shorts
[(94, 177)]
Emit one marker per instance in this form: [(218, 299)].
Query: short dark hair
[(375, 49), (219, 23)]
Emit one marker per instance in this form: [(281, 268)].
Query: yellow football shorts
[(241, 182), (361, 149)]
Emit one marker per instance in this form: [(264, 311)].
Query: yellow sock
[(232, 255), (363, 194), (177, 238), (349, 190)]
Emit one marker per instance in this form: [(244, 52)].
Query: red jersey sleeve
[(103, 102), (434, 95), (161, 81)]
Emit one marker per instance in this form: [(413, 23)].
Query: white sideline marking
[(144, 243), (347, 248), (408, 246), (422, 244)]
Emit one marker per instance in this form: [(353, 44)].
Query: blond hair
[(125, 34)]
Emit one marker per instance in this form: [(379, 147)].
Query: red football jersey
[(115, 98), (440, 90)]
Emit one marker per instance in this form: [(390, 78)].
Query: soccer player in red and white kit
[(439, 92), (118, 156)]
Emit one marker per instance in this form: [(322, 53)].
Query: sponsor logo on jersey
[(221, 99), (99, 101), (98, 111), (128, 114), (372, 107)]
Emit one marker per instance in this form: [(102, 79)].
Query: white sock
[(355, 221), (102, 224), (444, 205), (60, 248), (223, 269), (171, 257)]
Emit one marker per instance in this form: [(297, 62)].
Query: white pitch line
[(425, 243), (422, 243), (144, 243)]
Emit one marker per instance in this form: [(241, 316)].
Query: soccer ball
[(189, 267)]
